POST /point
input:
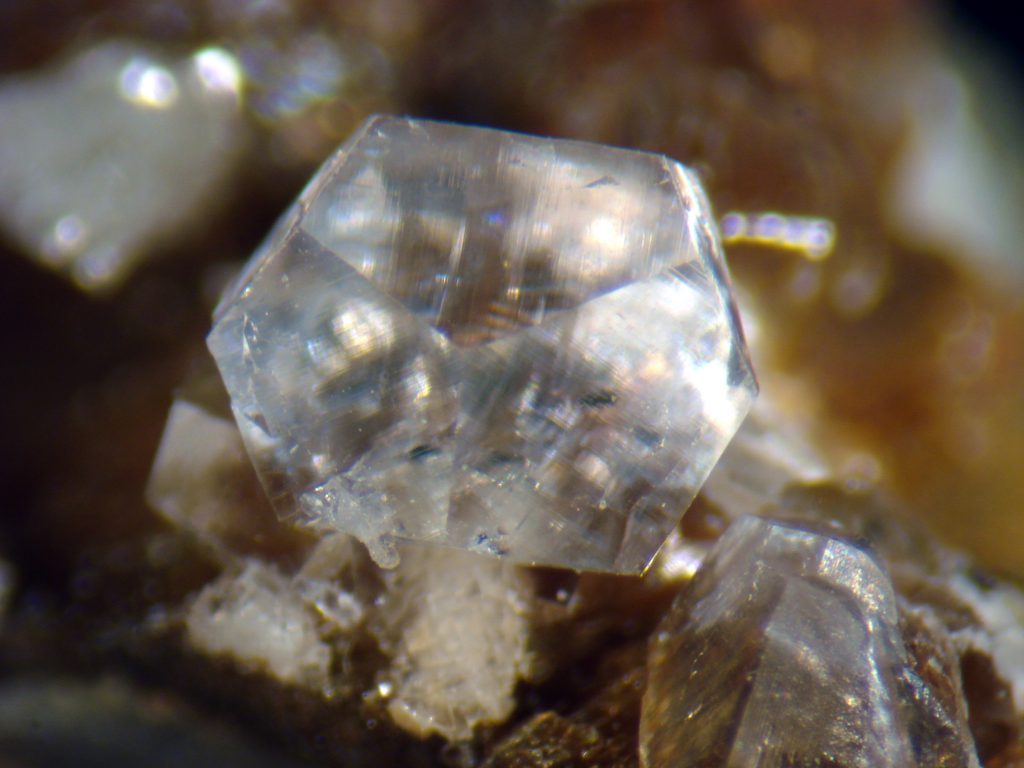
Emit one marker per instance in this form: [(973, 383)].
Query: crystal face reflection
[(786, 650), (509, 344)]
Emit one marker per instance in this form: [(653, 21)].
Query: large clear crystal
[(508, 344)]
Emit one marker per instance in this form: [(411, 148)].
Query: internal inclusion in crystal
[(509, 344)]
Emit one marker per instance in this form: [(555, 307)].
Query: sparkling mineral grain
[(514, 345), (786, 650)]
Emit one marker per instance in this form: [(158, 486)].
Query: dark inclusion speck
[(600, 399), (422, 452)]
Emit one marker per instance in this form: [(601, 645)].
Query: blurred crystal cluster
[(113, 151), (107, 157), (843, 591)]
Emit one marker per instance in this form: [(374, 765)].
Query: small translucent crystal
[(786, 650), (514, 345)]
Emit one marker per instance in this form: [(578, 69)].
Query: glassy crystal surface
[(786, 650), (515, 345)]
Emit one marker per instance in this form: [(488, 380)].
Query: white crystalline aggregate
[(259, 618), (455, 624), (956, 188), (1001, 611), (319, 582)]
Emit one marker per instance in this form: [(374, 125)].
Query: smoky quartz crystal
[(514, 345), (787, 650)]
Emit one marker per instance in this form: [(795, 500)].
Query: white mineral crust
[(519, 346)]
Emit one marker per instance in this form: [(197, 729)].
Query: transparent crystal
[(786, 650), (508, 344)]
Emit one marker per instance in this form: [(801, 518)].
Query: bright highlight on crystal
[(508, 344)]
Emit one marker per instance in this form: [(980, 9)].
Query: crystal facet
[(786, 650), (509, 344)]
